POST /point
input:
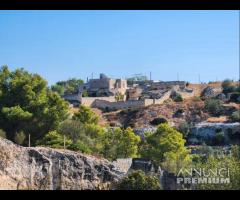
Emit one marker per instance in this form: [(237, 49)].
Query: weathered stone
[(50, 169)]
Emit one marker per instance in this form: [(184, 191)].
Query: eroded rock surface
[(51, 169)]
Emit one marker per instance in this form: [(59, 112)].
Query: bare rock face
[(50, 169)]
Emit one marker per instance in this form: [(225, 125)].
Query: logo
[(203, 176)]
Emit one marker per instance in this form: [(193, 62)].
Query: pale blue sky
[(63, 44)]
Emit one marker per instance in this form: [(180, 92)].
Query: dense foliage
[(166, 147), (26, 104), (120, 143), (86, 115), (67, 87), (214, 106), (228, 86), (137, 180)]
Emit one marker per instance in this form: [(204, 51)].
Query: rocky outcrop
[(51, 169), (210, 92)]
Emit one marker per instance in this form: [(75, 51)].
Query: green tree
[(166, 147), (86, 115), (27, 105), (120, 143), (58, 88), (67, 87), (84, 137), (137, 180)]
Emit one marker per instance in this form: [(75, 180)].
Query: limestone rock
[(50, 169), (209, 92)]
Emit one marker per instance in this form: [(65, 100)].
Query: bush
[(19, 138), (2, 133), (80, 146), (176, 97), (184, 128), (228, 86), (86, 115), (214, 106), (219, 139), (54, 140), (158, 121), (137, 180)]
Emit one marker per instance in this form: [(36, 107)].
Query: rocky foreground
[(51, 169)]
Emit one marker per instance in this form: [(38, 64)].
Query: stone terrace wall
[(186, 94), (163, 98), (90, 101), (103, 104)]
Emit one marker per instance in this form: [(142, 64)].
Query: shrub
[(19, 138), (184, 128), (80, 146), (85, 93), (158, 121), (219, 139), (86, 115), (2, 133), (176, 97), (214, 106), (137, 180), (228, 86), (54, 140)]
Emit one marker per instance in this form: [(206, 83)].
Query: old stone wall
[(186, 94), (90, 101), (168, 84), (103, 104)]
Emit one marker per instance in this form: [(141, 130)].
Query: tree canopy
[(67, 87), (166, 147), (27, 105), (137, 180)]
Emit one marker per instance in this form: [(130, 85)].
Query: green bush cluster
[(214, 106), (137, 180)]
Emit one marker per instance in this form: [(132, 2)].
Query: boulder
[(210, 92)]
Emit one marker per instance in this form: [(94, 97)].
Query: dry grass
[(217, 119)]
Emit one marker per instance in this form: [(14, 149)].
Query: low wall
[(102, 104), (90, 101), (163, 98), (186, 94), (72, 97)]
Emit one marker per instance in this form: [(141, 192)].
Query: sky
[(172, 45)]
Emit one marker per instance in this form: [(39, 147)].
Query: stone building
[(104, 86), (134, 93)]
